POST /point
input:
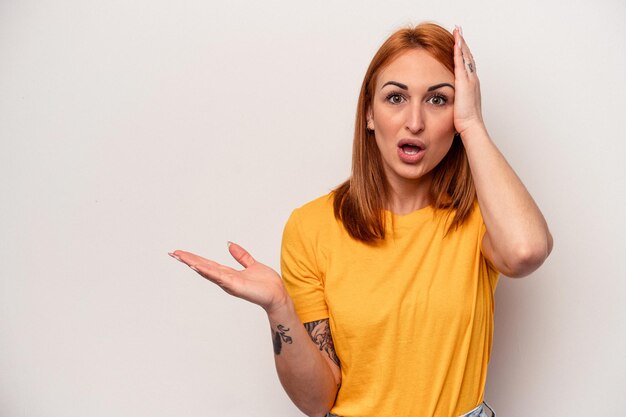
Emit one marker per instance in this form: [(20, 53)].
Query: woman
[(393, 274)]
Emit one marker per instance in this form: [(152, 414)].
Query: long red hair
[(359, 202)]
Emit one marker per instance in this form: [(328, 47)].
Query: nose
[(415, 118)]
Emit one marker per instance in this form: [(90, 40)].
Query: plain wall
[(132, 128)]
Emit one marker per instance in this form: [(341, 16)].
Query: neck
[(406, 196)]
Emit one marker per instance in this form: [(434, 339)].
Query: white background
[(132, 128)]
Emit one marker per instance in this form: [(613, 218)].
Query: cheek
[(444, 142), (388, 120), (448, 145), (381, 143), (444, 132), (384, 125), (445, 121), (386, 132)]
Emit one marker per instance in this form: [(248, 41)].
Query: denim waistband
[(480, 411), (476, 412)]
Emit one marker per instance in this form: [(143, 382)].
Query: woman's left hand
[(467, 110)]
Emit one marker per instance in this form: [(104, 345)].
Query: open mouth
[(411, 149)]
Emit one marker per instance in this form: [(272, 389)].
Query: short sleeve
[(301, 272)]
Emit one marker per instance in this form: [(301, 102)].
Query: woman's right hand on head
[(256, 283)]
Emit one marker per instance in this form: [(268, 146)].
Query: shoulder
[(470, 229), (315, 213), (321, 205), (313, 223), (474, 229), (473, 220), (306, 236)]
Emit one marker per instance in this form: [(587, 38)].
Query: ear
[(370, 119)]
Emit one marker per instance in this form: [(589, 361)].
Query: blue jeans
[(476, 412), (480, 411)]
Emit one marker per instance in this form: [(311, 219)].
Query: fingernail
[(228, 243), (460, 30), (173, 256)]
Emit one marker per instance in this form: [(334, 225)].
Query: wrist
[(280, 308), (474, 130)]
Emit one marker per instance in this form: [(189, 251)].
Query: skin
[(406, 106), (307, 365), (517, 240)]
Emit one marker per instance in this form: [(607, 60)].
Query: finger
[(468, 58), (191, 259), (174, 255), (460, 69), (217, 274), (241, 255)]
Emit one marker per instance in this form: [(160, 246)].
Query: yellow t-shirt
[(411, 318)]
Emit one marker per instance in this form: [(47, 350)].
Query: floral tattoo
[(320, 334), (279, 336)]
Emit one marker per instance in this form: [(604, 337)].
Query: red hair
[(359, 202)]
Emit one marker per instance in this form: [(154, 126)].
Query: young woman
[(385, 305)]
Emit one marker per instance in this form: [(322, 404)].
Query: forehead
[(416, 68)]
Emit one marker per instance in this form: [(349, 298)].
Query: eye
[(438, 100), (395, 98)]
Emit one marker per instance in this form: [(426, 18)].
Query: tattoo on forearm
[(320, 334), (279, 336)]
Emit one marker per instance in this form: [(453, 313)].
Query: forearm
[(517, 231), (304, 373)]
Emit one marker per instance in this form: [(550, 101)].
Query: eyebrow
[(436, 86), (405, 87), (397, 84)]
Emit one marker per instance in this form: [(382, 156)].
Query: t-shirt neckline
[(410, 219)]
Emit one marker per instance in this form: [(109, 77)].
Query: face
[(412, 116)]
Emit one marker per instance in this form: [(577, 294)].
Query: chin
[(413, 174)]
